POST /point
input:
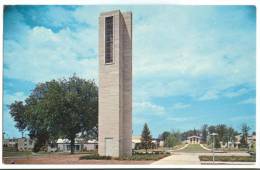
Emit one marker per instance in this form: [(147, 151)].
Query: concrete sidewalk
[(179, 159)]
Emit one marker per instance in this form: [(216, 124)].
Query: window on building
[(109, 40)]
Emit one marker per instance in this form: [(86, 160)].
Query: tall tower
[(115, 84)]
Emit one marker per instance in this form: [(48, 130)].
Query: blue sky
[(191, 64)]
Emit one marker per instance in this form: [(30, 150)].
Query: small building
[(63, 145), (11, 143), (25, 144), (193, 139), (136, 142), (90, 145), (251, 139), (161, 143)]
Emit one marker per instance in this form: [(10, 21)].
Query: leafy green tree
[(16, 110), (146, 138), (60, 108), (173, 139)]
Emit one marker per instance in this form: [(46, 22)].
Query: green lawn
[(16, 153), (193, 148)]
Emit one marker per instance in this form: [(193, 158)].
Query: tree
[(60, 108), (244, 129), (221, 130), (146, 138), (164, 135), (173, 139), (204, 130), (16, 110), (170, 141), (195, 132), (211, 129)]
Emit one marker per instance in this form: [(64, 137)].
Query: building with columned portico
[(193, 139)]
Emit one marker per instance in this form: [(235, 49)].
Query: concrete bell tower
[(115, 84)]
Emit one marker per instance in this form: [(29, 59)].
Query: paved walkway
[(173, 150), (192, 158), (179, 158), (205, 148)]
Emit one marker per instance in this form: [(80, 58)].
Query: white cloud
[(248, 101), (180, 106), (209, 95), (178, 61), (147, 108), (45, 55), (175, 62)]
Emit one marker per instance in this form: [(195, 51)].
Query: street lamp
[(213, 134)]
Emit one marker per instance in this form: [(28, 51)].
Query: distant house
[(10, 142), (136, 142), (63, 145), (25, 144), (193, 139), (161, 143), (251, 139), (90, 145)]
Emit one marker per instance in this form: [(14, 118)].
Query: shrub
[(136, 157), (96, 156), (228, 158), (141, 156)]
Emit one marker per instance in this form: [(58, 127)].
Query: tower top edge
[(114, 12)]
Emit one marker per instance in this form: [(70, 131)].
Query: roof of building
[(77, 140), (136, 139), (193, 136)]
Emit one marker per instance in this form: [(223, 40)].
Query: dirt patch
[(66, 159)]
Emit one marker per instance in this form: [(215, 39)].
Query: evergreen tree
[(146, 138)]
